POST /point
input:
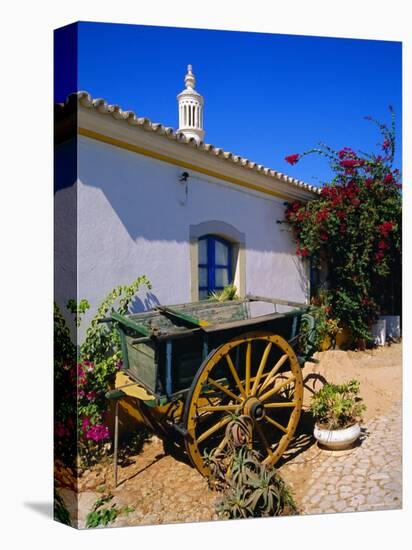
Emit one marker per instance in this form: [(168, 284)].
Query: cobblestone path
[(368, 477), (162, 489)]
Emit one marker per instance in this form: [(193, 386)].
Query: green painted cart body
[(166, 350)]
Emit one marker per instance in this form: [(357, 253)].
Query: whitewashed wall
[(134, 218)]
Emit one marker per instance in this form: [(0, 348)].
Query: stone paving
[(161, 489), (365, 478), (368, 477)]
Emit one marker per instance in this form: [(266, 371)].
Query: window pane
[(202, 276), (221, 253), (203, 251), (203, 294), (221, 277)]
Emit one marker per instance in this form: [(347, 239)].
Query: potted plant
[(337, 410)]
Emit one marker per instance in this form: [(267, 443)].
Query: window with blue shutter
[(215, 264)]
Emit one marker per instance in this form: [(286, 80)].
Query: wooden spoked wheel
[(255, 375)]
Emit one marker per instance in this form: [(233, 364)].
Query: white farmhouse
[(133, 197)]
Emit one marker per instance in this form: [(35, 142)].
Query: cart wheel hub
[(255, 409)]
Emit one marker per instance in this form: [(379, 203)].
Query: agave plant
[(268, 494), (249, 488), (235, 503)]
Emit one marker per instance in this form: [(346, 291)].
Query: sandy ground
[(379, 372), (163, 489)]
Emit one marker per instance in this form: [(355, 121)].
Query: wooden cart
[(194, 367)]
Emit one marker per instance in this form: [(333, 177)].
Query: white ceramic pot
[(337, 439), (378, 332), (393, 326)]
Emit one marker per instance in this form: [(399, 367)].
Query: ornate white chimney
[(191, 109)]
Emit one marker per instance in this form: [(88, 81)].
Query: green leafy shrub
[(337, 406), (83, 376), (60, 511), (326, 326), (104, 513)]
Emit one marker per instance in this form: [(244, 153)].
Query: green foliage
[(104, 513), (325, 325), (355, 226), (83, 376), (78, 309), (338, 405), (103, 343), (101, 514), (65, 358), (249, 488), (60, 511), (64, 349), (228, 293)]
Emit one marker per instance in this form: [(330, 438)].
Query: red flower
[(342, 228), (292, 159), (348, 163), (346, 152), (385, 228), (355, 202), (379, 256), (295, 206), (386, 144), (324, 236), (382, 245), (341, 214), (302, 252), (388, 178), (322, 215)]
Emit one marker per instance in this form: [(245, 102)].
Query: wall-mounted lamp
[(183, 179), (184, 176)]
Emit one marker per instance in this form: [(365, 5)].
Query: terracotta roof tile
[(101, 106)]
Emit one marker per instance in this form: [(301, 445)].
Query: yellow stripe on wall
[(171, 160)]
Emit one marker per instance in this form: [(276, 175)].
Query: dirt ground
[(164, 489), (378, 370)]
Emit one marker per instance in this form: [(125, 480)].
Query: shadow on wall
[(149, 301), (302, 269), (120, 190), (145, 195)]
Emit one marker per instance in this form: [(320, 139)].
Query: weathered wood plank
[(182, 316), (244, 323), (253, 298)]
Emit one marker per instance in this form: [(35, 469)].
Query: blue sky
[(266, 95)]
